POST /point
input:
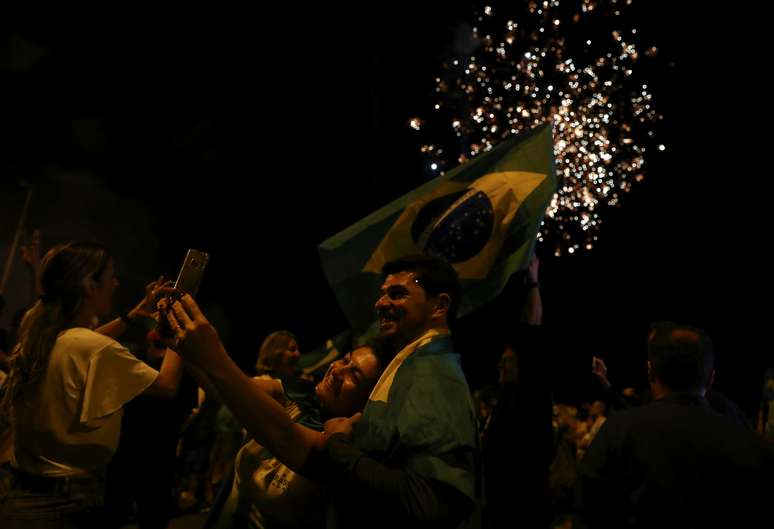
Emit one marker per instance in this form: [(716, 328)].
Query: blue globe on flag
[(456, 226)]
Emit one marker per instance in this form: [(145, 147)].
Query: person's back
[(674, 463), (67, 387), (517, 449), (517, 453), (77, 417)]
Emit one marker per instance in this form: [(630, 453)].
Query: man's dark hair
[(382, 348), (433, 274), (682, 357)]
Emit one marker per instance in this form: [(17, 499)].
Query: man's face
[(508, 367), (403, 308)]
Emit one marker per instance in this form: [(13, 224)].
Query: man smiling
[(411, 456)]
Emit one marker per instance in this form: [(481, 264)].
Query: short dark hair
[(682, 357), (382, 348), (434, 274)]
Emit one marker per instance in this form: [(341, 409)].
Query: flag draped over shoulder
[(483, 217)]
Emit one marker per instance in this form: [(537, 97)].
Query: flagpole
[(16, 237)]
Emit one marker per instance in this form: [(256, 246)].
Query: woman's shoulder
[(85, 339), (78, 347)]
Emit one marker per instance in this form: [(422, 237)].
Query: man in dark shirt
[(517, 445), (675, 462)]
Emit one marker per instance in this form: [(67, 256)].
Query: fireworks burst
[(571, 62)]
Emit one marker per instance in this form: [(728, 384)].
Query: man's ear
[(442, 305)]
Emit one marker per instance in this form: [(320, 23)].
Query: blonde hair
[(270, 354)]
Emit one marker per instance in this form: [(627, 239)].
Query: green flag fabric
[(427, 417), (316, 361), (483, 217)]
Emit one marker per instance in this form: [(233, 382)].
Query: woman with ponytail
[(67, 385)]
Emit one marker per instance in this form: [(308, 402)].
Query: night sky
[(257, 136)]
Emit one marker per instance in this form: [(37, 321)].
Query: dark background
[(256, 135)]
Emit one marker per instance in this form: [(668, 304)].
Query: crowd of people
[(100, 428)]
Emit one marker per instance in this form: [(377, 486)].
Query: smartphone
[(190, 276)]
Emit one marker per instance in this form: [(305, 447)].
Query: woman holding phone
[(66, 389), (286, 418)]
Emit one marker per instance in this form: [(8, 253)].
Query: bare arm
[(532, 312), (272, 387), (263, 417), (144, 309), (166, 384), (599, 369), (203, 380)]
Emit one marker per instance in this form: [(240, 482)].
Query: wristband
[(126, 319)]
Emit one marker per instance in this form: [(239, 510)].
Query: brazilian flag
[(316, 361), (482, 217)]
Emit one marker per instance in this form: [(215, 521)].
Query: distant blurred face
[(566, 416), (508, 367), (629, 392), (288, 359), (345, 388), (484, 410)]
